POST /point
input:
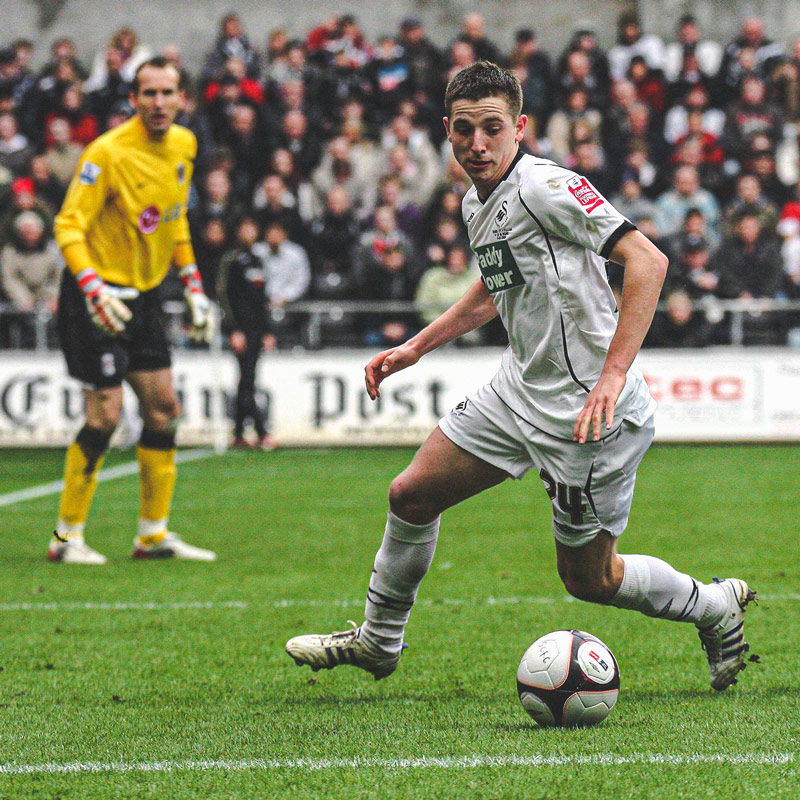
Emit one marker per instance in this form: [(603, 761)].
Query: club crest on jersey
[(498, 267), (181, 173), (584, 193), (89, 173), (149, 219)]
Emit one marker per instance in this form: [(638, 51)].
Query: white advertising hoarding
[(319, 398)]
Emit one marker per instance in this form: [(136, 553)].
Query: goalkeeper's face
[(158, 99)]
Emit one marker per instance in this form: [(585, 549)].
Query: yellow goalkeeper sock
[(83, 461), (157, 473)]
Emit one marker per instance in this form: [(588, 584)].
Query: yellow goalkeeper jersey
[(127, 204)]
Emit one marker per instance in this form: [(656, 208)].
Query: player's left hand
[(203, 317), (601, 401)]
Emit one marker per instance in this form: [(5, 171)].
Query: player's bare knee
[(406, 502), (162, 414), (587, 585)]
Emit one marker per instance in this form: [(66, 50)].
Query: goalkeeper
[(122, 226)]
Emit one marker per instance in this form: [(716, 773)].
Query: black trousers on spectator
[(246, 406)]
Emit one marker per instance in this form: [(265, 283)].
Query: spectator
[(630, 202), (692, 317), (693, 231), (578, 74), (533, 68), (584, 40), (766, 54), (131, 54), (447, 233), (249, 145), (63, 154), (172, 52), (383, 234), (241, 292), (303, 197), (649, 85), (706, 53), (304, 146), (216, 201), (407, 215), (213, 241), (402, 131), (686, 193), (15, 150), (748, 195), (338, 168), (231, 43), (273, 202), (760, 160), (461, 54), (16, 80), (109, 89), (473, 31), (23, 198), (561, 129), (748, 116), (74, 108), (424, 58), (287, 272), (445, 282), (386, 277), (45, 185), (235, 70), (676, 123), (632, 42), (333, 239), (749, 266), (31, 268), (388, 80), (784, 84)]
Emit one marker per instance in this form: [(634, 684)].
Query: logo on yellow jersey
[(149, 219), (181, 173)]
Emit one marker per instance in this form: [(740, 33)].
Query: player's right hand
[(107, 311), (387, 363)]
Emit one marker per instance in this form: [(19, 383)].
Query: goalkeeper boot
[(73, 551), (724, 642), (341, 647), (170, 546)]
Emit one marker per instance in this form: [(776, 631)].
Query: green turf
[(296, 532)]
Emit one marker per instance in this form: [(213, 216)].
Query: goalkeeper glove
[(107, 311), (200, 307)]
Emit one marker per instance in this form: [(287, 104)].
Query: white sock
[(653, 587), (400, 565)]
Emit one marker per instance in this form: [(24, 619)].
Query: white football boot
[(724, 642), (73, 551), (340, 647), (171, 546)]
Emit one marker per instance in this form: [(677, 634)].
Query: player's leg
[(82, 463), (155, 453), (441, 475), (471, 450), (592, 570)]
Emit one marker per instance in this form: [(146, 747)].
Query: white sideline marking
[(120, 471), (447, 762), (224, 604)]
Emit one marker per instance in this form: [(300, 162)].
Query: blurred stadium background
[(724, 353)]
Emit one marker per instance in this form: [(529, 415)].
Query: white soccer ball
[(568, 678)]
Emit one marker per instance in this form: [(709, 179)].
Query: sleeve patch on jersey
[(89, 173), (584, 193)]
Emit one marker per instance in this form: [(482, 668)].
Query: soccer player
[(122, 225), (566, 401)]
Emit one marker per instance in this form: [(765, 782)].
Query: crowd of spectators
[(333, 146)]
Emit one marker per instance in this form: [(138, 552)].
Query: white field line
[(447, 762), (211, 605), (120, 471)]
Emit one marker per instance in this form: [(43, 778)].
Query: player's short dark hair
[(160, 62), (484, 79)]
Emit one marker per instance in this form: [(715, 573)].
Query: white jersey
[(542, 239)]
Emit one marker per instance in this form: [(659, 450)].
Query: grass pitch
[(169, 680)]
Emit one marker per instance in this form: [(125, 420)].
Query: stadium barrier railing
[(35, 330)]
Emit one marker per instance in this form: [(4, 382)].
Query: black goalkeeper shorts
[(102, 361)]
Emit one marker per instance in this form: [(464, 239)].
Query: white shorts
[(590, 484)]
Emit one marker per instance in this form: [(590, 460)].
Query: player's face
[(158, 99), (485, 138)]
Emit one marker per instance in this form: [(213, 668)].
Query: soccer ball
[(568, 678)]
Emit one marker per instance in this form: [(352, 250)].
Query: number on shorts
[(568, 498)]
